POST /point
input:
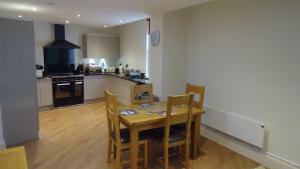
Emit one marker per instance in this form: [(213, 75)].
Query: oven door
[(62, 94), (78, 92)]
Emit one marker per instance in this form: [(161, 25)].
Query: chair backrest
[(199, 90), (138, 90), (112, 115), (184, 102)]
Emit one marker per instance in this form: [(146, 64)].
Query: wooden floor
[(76, 138)]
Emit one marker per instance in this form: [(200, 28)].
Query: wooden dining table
[(151, 116)]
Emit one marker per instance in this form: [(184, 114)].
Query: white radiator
[(248, 130)]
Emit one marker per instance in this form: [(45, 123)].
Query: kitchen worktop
[(137, 80)]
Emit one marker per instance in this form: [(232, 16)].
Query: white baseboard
[(2, 144), (265, 158)]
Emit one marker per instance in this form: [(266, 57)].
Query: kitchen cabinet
[(101, 46), (94, 87), (122, 88), (44, 90)]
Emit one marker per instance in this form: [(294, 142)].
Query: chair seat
[(179, 127), (125, 135), (158, 134)]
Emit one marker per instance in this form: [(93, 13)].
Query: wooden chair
[(171, 138), (196, 90), (13, 158), (138, 90), (120, 138), (199, 90)]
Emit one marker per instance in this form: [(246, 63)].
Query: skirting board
[(265, 158), (2, 144)]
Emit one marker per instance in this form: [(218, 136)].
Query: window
[(147, 48)]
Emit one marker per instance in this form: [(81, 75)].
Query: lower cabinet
[(94, 87), (44, 90), (122, 88)]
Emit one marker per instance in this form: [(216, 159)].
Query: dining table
[(152, 116)]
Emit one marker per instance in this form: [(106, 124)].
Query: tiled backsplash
[(101, 62)]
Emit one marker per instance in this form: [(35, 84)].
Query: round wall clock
[(155, 38)]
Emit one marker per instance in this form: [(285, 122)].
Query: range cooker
[(67, 90)]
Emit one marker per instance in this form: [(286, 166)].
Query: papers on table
[(128, 112), (162, 113), (145, 105)]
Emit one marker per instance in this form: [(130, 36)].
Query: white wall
[(133, 44), (44, 33), (173, 57), (246, 53), (155, 56)]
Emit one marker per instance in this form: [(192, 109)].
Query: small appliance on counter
[(95, 70), (80, 69), (121, 70), (110, 69), (92, 69), (133, 73), (117, 71)]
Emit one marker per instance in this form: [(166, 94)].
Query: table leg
[(133, 147), (196, 138)]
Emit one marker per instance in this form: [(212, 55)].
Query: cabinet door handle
[(78, 82)]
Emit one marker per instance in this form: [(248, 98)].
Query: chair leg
[(166, 157), (114, 151), (118, 157), (149, 148), (146, 154), (187, 155), (109, 150), (179, 150)]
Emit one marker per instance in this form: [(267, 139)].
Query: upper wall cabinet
[(101, 46)]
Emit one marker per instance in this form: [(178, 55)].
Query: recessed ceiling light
[(67, 21), (78, 15), (20, 16), (34, 8), (121, 21), (105, 26)]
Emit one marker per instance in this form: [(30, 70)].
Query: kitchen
[(94, 67), (97, 84)]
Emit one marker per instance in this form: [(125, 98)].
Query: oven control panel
[(67, 79)]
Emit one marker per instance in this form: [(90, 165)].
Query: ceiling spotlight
[(34, 8), (20, 16), (121, 21), (67, 21), (78, 15), (105, 26)]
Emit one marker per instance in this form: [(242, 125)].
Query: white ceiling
[(96, 13)]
